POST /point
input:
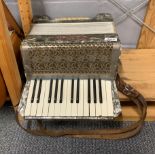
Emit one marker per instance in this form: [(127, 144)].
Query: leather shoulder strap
[(126, 132)]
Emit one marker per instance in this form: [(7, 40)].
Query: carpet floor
[(14, 140)]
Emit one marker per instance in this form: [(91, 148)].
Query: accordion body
[(78, 55)]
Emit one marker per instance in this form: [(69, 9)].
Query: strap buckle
[(129, 91)]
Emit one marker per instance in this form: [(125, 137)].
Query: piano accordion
[(70, 67)]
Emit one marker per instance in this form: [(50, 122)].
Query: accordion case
[(71, 65)]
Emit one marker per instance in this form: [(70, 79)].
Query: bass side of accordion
[(70, 67)]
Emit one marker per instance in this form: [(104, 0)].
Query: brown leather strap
[(126, 132)]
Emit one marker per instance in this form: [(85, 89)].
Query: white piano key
[(46, 104), (35, 104), (81, 102), (52, 104), (109, 98), (28, 104), (69, 104), (92, 104), (104, 98), (86, 104), (41, 101), (57, 104), (98, 104), (74, 104), (64, 99)]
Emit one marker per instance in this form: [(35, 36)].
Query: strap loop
[(126, 132)]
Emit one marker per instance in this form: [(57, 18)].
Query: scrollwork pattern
[(70, 58)]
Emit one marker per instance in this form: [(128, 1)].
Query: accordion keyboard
[(69, 98)]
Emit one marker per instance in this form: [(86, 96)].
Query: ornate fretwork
[(87, 54)]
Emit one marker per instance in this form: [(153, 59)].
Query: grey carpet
[(14, 140)]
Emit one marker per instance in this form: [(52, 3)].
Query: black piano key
[(89, 100), (94, 90), (50, 91), (56, 91), (100, 91), (72, 91), (78, 91), (61, 90), (39, 91), (34, 89)]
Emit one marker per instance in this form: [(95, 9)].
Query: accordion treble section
[(70, 69)]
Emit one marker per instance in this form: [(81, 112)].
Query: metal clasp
[(129, 91)]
